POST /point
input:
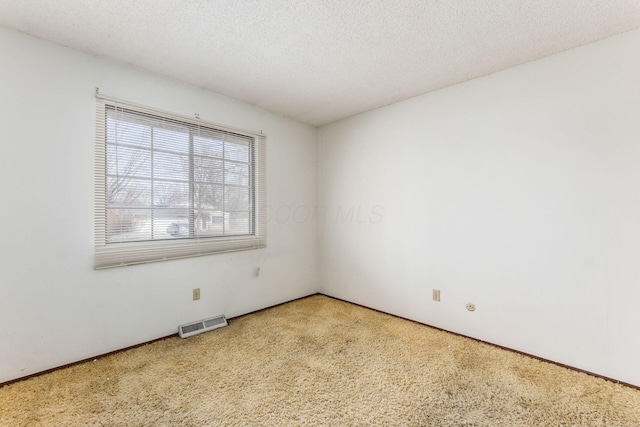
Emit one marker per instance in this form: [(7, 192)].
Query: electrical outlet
[(436, 295), (196, 294), (471, 306)]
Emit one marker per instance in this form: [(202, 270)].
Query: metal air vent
[(194, 328)]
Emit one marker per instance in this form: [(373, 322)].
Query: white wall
[(519, 192), (54, 308)]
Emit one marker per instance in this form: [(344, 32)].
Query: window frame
[(116, 254)]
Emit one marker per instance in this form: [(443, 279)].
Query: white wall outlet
[(471, 306), (436, 294), (196, 294), (257, 271)]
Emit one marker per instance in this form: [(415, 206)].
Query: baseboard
[(89, 359), (542, 359), (573, 368), (275, 305)]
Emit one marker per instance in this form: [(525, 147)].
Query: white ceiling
[(322, 60)]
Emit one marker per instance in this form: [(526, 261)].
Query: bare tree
[(123, 192)]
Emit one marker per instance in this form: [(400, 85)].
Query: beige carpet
[(318, 361)]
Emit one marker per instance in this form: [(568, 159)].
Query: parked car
[(178, 229)]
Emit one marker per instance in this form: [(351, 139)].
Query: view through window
[(170, 181), (165, 179)]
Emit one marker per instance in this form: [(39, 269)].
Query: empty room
[(412, 213)]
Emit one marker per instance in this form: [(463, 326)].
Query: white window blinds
[(172, 187)]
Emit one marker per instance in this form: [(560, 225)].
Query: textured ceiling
[(322, 60)]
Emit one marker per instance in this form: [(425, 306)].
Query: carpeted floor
[(322, 362)]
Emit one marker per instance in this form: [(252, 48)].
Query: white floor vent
[(201, 326)]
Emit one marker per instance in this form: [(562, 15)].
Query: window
[(173, 187)]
